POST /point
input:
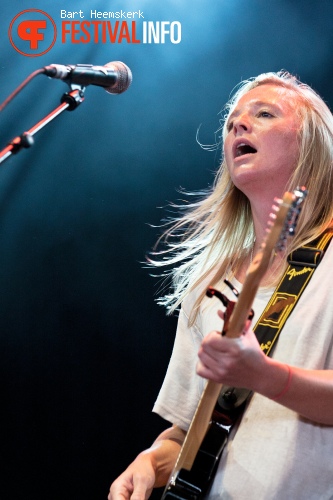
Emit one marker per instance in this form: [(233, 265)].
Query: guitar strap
[(302, 263)]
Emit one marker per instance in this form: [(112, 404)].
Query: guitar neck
[(244, 303), (198, 427), (205, 408), (236, 324), (285, 217), (257, 270)]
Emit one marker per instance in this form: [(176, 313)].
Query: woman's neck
[(261, 214)]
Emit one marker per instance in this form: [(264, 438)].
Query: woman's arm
[(241, 363), (151, 468), (308, 392)]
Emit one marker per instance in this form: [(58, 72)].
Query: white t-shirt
[(275, 454)]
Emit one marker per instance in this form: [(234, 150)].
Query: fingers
[(120, 490), (221, 314), (229, 360), (132, 487), (141, 491), (248, 323), (215, 356)]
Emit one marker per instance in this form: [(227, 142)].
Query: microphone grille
[(124, 78)]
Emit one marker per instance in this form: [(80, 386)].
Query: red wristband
[(286, 387)]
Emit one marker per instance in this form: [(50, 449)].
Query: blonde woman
[(277, 135)]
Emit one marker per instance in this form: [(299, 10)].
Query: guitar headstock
[(281, 224), (290, 222)]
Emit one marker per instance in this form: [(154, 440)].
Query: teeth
[(239, 151), (243, 148), (241, 145)]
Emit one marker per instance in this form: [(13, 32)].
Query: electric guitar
[(218, 407)]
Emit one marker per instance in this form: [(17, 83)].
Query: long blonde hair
[(213, 234)]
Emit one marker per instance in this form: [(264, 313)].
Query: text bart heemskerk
[(116, 27)]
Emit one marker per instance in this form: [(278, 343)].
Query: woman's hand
[(151, 468), (238, 362), (136, 482)]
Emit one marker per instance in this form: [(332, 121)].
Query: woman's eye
[(229, 126), (265, 114)]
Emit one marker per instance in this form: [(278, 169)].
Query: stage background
[(84, 347)]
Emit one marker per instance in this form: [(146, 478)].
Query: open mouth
[(244, 149)]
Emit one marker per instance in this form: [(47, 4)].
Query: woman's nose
[(241, 123)]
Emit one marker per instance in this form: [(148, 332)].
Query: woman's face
[(261, 147)]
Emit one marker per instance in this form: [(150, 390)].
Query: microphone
[(115, 76)]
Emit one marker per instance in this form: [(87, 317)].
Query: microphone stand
[(70, 101)]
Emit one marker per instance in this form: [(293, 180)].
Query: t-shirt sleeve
[(182, 387)]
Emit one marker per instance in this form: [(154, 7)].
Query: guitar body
[(193, 484)]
